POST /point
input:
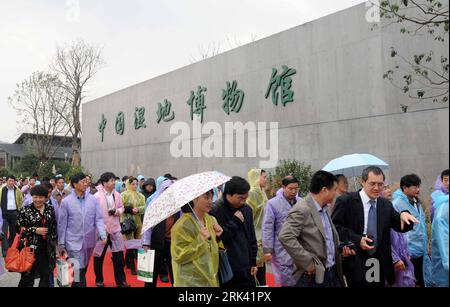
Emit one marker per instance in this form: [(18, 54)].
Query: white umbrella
[(353, 165), (179, 194)]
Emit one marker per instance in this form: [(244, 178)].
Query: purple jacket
[(77, 227), (54, 203), (280, 193), (399, 247), (275, 213)]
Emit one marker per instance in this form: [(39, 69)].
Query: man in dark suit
[(366, 219), (238, 237)]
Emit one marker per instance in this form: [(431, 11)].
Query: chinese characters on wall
[(279, 90)]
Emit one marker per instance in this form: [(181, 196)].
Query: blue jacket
[(439, 242), (417, 238)]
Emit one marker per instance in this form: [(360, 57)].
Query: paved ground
[(8, 279)]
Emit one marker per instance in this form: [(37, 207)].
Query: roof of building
[(63, 140), (18, 150)]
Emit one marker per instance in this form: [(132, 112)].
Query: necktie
[(372, 223)]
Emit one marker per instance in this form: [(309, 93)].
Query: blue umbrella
[(353, 165)]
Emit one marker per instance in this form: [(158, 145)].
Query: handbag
[(225, 271), (19, 261), (128, 226)]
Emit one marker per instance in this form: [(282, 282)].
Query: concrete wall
[(341, 105)]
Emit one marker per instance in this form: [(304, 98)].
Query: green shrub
[(295, 168)]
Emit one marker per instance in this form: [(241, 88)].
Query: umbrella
[(179, 194), (353, 165)]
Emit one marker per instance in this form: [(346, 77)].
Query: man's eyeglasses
[(379, 185)]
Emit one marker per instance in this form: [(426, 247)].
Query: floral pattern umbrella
[(179, 194)]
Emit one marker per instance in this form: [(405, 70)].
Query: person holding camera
[(366, 219), (310, 238), (112, 208)]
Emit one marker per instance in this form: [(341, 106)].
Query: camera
[(112, 211), (371, 238)]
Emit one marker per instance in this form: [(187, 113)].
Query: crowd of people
[(374, 237)]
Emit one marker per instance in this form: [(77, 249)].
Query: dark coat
[(159, 234), (238, 237), (348, 217), (30, 219)]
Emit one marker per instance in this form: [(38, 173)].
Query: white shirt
[(109, 200), (365, 200), (11, 204)]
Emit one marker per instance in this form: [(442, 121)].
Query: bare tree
[(40, 103), (235, 43), (214, 48), (424, 75), (76, 64), (209, 51)]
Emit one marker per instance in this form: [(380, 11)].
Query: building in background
[(322, 82), (10, 154)]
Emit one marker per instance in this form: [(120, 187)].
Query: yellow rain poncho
[(195, 261), (133, 199), (257, 200)]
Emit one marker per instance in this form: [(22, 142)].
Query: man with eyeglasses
[(366, 219)]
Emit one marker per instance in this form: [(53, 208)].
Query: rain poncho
[(257, 200), (439, 241), (417, 237), (146, 237), (399, 248), (118, 186), (275, 213), (195, 261), (133, 199), (139, 178), (27, 199), (280, 193), (159, 180), (80, 223), (217, 194), (438, 187), (149, 181)]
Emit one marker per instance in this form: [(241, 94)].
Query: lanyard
[(43, 221)]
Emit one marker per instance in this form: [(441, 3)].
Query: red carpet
[(108, 275)]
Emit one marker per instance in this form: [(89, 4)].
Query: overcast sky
[(141, 38)]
